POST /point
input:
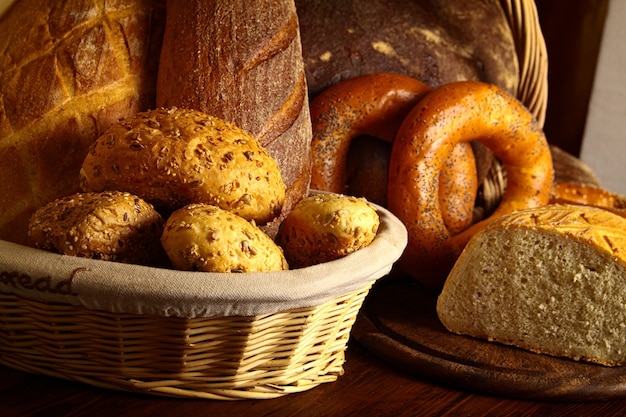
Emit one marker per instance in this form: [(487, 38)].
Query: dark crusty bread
[(434, 41), (550, 279), (242, 61), (67, 71)]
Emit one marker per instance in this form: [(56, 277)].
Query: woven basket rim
[(532, 55), (118, 287)]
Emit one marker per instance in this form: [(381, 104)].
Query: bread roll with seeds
[(174, 157), (324, 227), (112, 225), (202, 237)]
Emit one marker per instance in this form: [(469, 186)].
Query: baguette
[(551, 280), (241, 61)]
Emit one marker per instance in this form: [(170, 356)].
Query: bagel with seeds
[(455, 113), (376, 105)]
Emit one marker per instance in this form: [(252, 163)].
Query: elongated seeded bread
[(551, 280)]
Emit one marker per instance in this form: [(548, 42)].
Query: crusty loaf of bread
[(241, 61), (67, 71), (551, 280), (434, 41)]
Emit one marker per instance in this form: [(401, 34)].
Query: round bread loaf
[(201, 237), (549, 279), (113, 226), (67, 71), (324, 227), (434, 41), (174, 157)]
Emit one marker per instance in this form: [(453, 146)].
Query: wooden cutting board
[(399, 324)]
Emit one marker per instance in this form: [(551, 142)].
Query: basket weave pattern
[(216, 358)]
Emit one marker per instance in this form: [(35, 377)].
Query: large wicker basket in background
[(153, 348), (532, 55)]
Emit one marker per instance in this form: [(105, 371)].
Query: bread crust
[(566, 192), (437, 42), (67, 71), (112, 226), (548, 279), (201, 237), (174, 157)]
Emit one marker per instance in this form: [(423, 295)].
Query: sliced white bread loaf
[(551, 280)]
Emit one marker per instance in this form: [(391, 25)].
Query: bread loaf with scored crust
[(241, 61), (67, 71), (551, 280)]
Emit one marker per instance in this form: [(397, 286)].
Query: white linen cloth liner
[(124, 288)]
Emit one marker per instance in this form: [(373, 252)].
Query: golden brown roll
[(201, 237), (324, 227), (174, 157), (112, 225)]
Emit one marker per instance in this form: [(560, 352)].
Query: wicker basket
[(186, 334), (224, 358), (265, 345), (532, 55)]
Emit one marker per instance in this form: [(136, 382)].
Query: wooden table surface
[(369, 387)]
